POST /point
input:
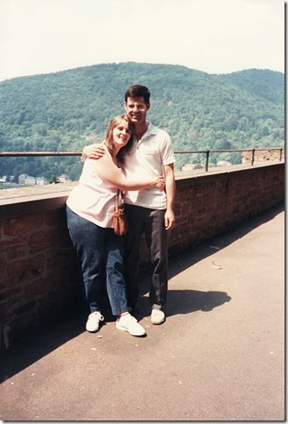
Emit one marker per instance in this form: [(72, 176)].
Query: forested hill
[(66, 110)]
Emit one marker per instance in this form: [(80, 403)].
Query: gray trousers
[(151, 222)]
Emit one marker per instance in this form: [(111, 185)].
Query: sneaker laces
[(127, 318), (98, 314)]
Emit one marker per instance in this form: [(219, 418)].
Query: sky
[(213, 36)]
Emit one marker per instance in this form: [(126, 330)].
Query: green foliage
[(67, 110), (54, 179)]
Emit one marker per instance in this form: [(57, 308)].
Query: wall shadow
[(40, 343)]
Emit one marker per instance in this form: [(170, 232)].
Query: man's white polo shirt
[(145, 161)]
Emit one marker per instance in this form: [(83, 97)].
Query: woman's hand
[(159, 182), (94, 151)]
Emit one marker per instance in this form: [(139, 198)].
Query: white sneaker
[(93, 322), (128, 323), (157, 316)]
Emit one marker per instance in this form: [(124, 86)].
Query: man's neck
[(140, 129)]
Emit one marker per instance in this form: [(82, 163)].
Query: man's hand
[(159, 182), (169, 219), (93, 151)]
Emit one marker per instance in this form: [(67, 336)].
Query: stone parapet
[(40, 277)]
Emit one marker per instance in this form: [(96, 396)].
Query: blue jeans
[(99, 249)]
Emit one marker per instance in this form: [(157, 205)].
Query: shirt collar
[(151, 129)]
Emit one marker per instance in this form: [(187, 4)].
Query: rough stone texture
[(264, 156)]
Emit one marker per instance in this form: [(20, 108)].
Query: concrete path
[(219, 355)]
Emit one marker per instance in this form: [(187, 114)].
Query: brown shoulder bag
[(120, 223)]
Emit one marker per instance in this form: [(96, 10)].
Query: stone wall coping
[(188, 179), (29, 200)]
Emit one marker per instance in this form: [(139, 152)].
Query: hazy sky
[(214, 36)]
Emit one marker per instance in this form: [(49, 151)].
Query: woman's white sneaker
[(157, 316), (93, 321), (128, 323)]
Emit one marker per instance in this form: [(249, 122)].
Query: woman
[(89, 209)]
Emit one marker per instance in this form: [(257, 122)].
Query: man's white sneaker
[(157, 316), (128, 323), (93, 322)]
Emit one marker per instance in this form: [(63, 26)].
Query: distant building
[(191, 166), (41, 181), (64, 178), (263, 156), (27, 180), (224, 163)]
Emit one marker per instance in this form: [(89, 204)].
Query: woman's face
[(121, 134)]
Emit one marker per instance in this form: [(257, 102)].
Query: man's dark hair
[(138, 91)]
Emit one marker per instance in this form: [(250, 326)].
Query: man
[(148, 211)]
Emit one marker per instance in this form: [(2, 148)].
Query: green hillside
[(66, 110)]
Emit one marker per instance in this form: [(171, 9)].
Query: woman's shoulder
[(107, 157)]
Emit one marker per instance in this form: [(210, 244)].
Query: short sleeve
[(167, 154)]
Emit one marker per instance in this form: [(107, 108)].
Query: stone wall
[(37, 267), (211, 204), (40, 278)]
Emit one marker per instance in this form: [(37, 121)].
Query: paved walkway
[(219, 356)]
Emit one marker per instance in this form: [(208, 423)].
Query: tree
[(54, 179)]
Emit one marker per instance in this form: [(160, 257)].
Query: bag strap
[(117, 201)]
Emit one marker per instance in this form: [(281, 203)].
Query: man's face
[(136, 109)]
